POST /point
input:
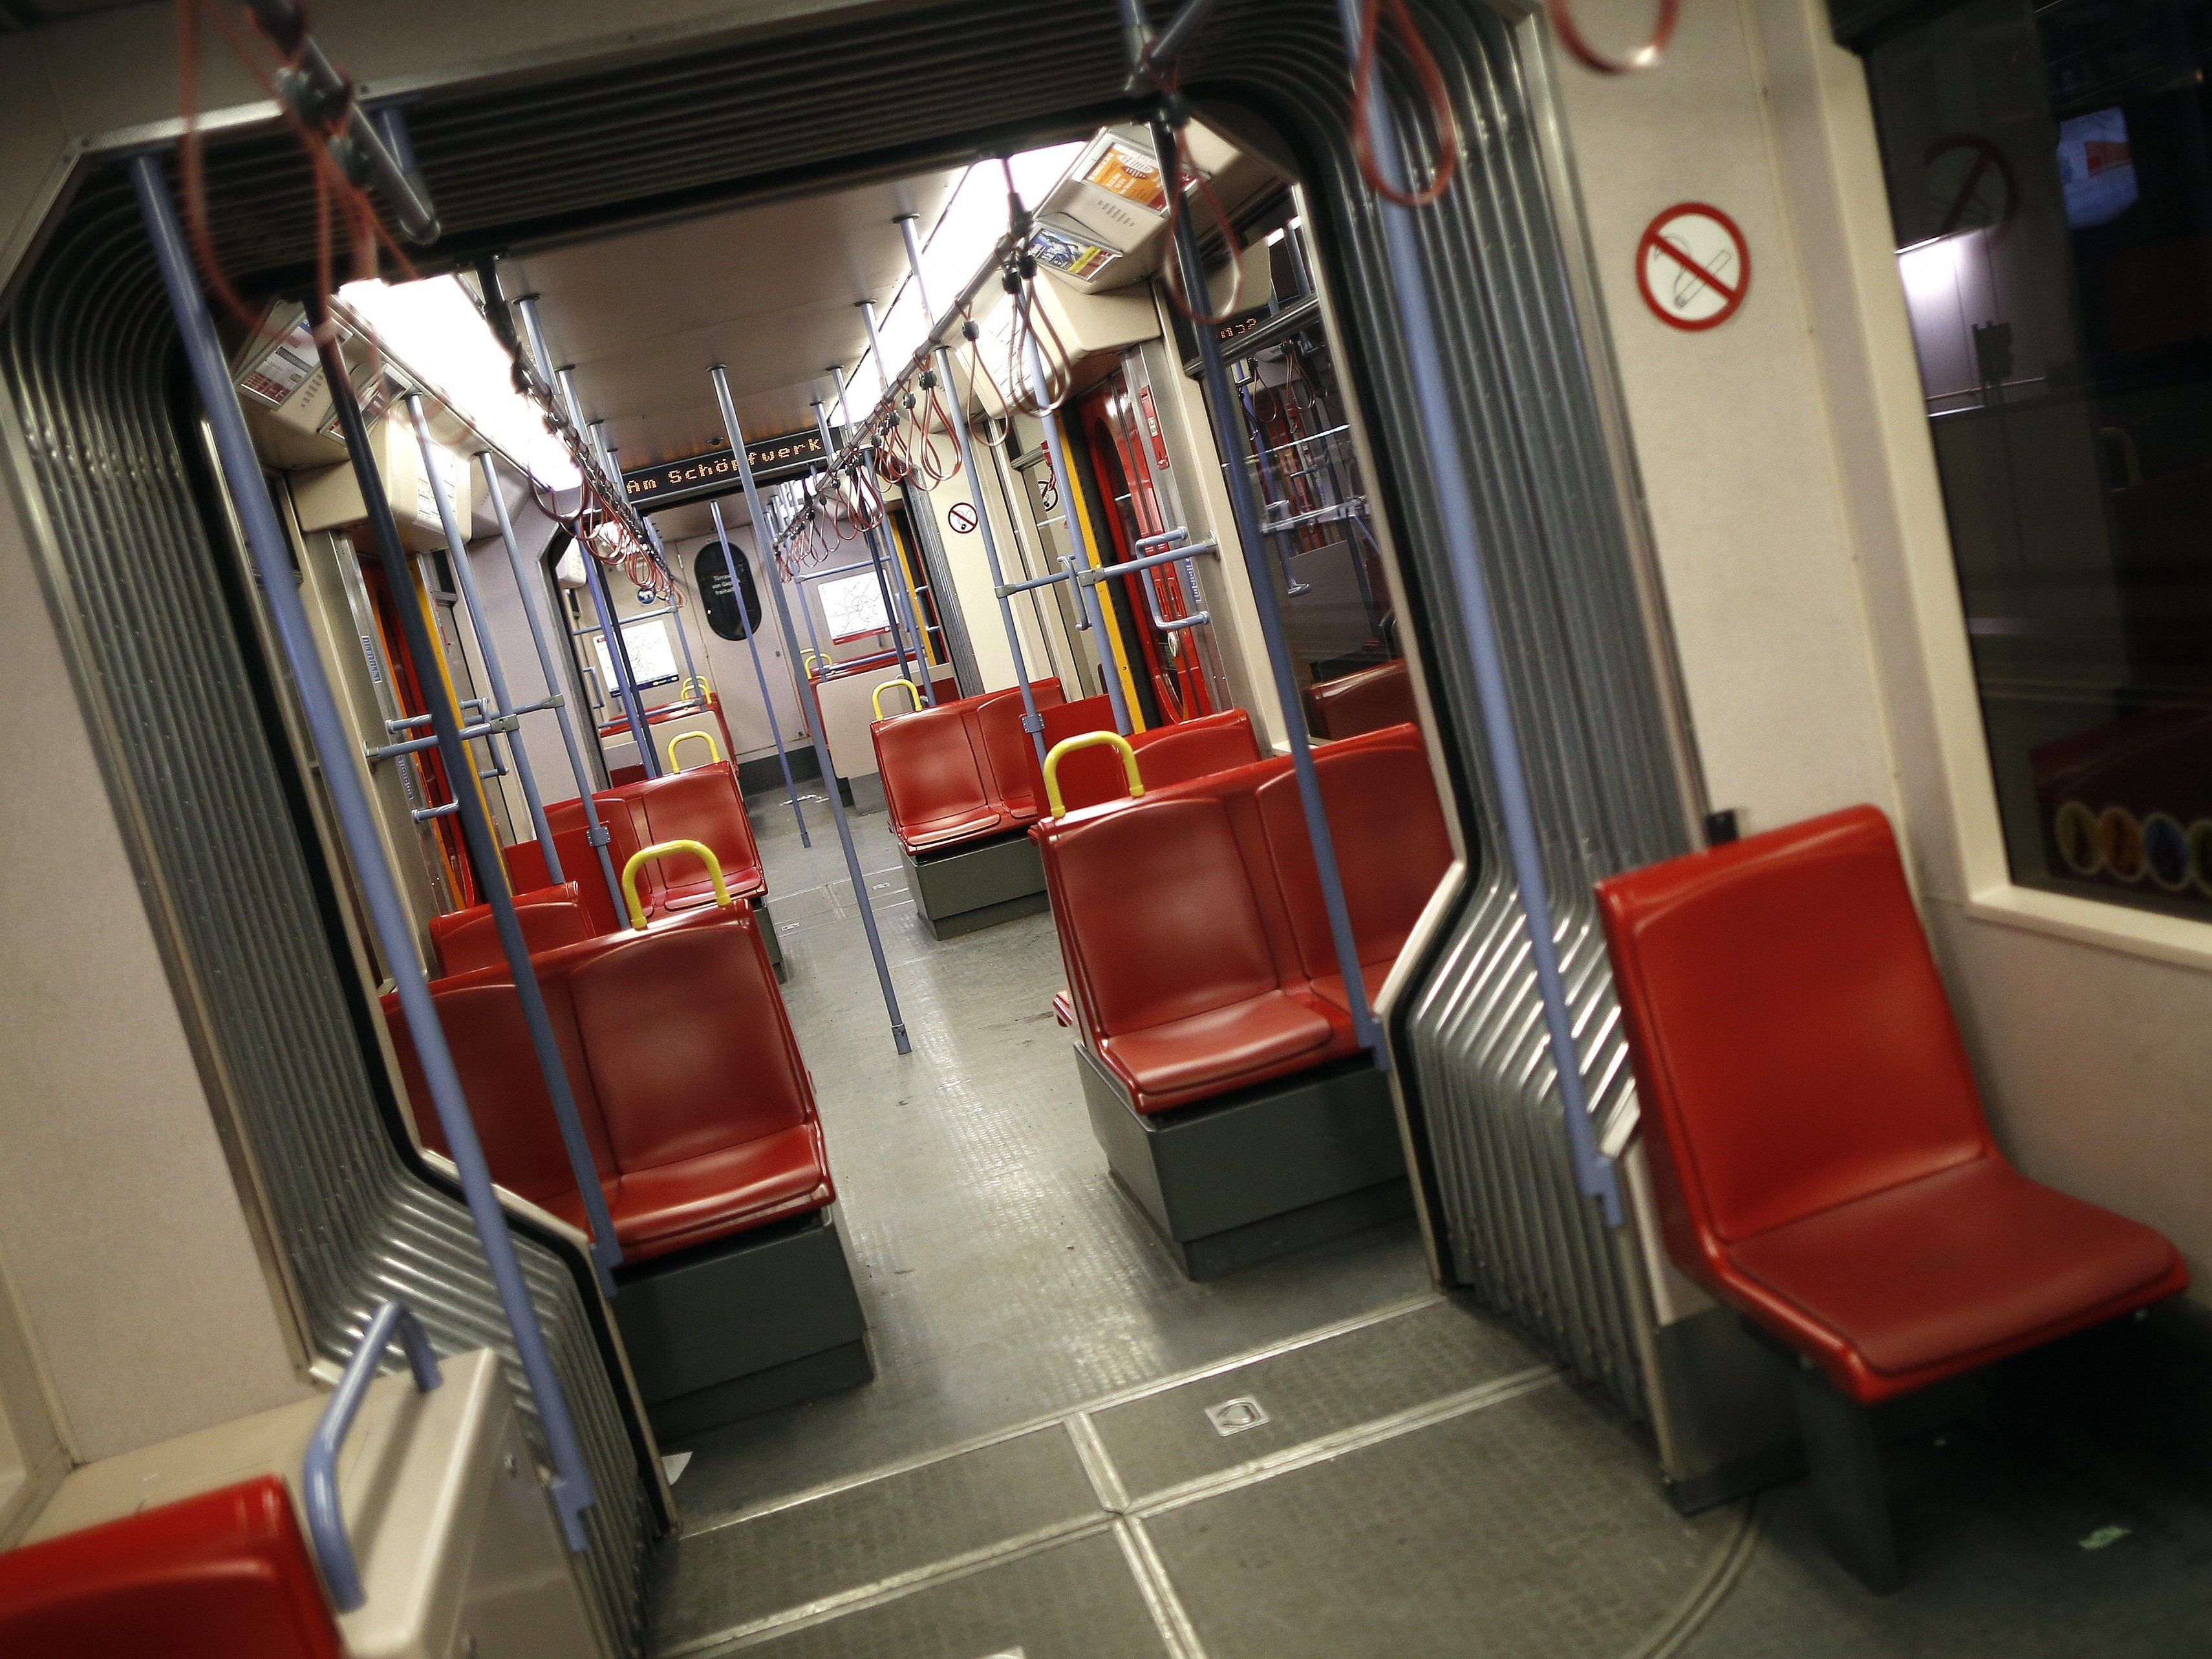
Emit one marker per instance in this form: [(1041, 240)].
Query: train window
[(2052, 193), (1336, 609), (652, 654)]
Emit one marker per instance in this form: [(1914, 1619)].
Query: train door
[(1119, 432)]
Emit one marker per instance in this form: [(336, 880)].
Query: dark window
[(2050, 182)]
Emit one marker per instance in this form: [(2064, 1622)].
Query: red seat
[(1366, 701), (1198, 952), (225, 1575), (1392, 849), (1821, 1156), (958, 772), (550, 917), (1165, 754), (686, 1074), (701, 804)]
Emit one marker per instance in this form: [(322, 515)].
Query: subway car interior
[(1087, 828)]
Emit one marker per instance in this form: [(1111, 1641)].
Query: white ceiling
[(771, 291)]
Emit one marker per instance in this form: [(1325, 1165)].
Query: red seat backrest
[(1793, 1045), (481, 1017), (1157, 911), (550, 917), (225, 1575), (1364, 702), (1392, 846), (701, 805), (690, 1047), (929, 766), (1195, 748), (1088, 776), (1009, 756), (527, 872)]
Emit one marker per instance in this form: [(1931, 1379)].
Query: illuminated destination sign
[(714, 472)]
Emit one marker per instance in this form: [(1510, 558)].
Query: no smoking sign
[(1693, 267), (962, 518)]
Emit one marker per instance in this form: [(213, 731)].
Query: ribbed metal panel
[(84, 352), (135, 573)]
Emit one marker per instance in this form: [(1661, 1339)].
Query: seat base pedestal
[(742, 1326), (1256, 1174), (977, 884), (766, 923), (1844, 1454)]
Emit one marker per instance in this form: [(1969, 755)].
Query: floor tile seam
[(1372, 1317), (890, 1589), (1097, 1462), (1169, 1616), (1324, 1448)]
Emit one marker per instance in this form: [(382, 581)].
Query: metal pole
[(721, 377), (760, 675), (1089, 596), (501, 703), (806, 611), (875, 555), (469, 807), (1032, 722), (625, 673), (659, 552), (1594, 1174), (1229, 433), (388, 917), (596, 834), (914, 629)]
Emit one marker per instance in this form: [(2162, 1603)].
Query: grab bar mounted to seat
[(1090, 740), (913, 691), (319, 1475), (704, 853), (714, 752)]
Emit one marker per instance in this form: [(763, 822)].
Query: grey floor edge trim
[(1362, 1322), (1098, 1463), (1705, 1597), (1158, 1590), (1329, 1446), (861, 1596)]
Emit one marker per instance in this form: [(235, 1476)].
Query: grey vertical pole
[(1229, 433), (633, 699), (469, 806), (875, 555), (1032, 722), (907, 606), (1089, 595), (806, 611), (1594, 1174), (760, 675), (736, 437), (596, 834), (271, 554), (502, 704)]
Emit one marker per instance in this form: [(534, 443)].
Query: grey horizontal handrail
[(327, 1528), (1129, 566), (469, 734)]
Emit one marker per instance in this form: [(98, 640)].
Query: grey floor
[(1071, 1452)]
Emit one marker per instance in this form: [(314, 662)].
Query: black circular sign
[(723, 615)]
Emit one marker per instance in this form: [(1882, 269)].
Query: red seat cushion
[(1820, 1157), (1365, 701), (745, 1184), (1218, 1051), (225, 1575), (1973, 1260)]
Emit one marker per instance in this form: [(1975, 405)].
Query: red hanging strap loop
[(1560, 12), (1444, 122)]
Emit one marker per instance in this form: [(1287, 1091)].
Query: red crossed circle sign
[(961, 517), (1693, 267)]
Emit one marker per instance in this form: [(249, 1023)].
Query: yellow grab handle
[(812, 660), (1089, 740), (706, 855), (714, 753), (913, 691)]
